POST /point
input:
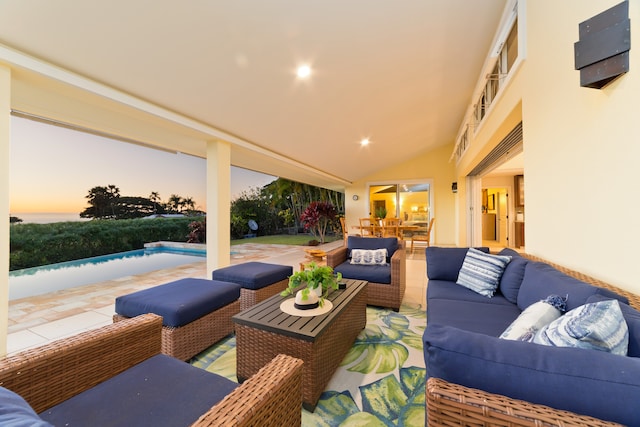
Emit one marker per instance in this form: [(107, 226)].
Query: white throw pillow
[(369, 256), (533, 318)]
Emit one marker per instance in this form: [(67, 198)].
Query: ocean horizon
[(47, 217)]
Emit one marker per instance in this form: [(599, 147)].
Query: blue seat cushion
[(253, 275), (560, 377), (370, 273), (161, 391), (486, 317), (541, 280), (445, 263), (442, 289), (369, 243), (179, 302)]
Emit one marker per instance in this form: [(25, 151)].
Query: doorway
[(495, 216)]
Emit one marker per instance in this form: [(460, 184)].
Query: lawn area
[(283, 239)]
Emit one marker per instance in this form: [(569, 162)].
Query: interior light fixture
[(365, 142), (304, 71)]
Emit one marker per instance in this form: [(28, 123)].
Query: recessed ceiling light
[(365, 142), (304, 71)]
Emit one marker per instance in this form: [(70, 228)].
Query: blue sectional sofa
[(475, 374)]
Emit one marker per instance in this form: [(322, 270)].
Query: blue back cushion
[(16, 412), (560, 377), (541, 280), (445, 263), (388, 243), (179, 302), (513, 274), (161, 391), (253, 275)]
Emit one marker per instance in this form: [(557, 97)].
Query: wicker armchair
[(455, 405), (380, 294), (50, 374)]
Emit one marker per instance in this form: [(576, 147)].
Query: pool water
[(54, 277)]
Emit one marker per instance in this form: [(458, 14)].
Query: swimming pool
[(54, 277)]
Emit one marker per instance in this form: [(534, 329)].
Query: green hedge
[(33, 245)]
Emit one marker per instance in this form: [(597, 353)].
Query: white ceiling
[(399, 72)]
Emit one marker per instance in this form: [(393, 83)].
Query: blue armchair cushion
[(16, 412), (388, 243), (179, 302), (253, 275), (445, 263), (161, 391), (541, 279), (371, 273), (559, 377), (481, 272)]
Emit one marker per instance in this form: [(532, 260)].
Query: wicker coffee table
[(322, 341)]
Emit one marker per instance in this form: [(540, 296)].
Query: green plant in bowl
[(318, 278)]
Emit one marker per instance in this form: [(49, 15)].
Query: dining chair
[(345, 232), (423, 237), (390, 227), (367, 227)]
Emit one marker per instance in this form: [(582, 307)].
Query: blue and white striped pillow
[(596, 326), (481, 272)]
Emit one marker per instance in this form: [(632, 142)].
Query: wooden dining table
[(376, 230)]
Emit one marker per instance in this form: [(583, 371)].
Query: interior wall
[(433, 165), (581, 148)]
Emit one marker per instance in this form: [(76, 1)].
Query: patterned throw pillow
[(534, 317), (369, 257), (481, 272), (597, 326)]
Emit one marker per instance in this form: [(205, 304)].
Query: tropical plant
[(198, 233), (314, 276), (381, 212), (318, 218)]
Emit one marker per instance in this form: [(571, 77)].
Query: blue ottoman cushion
[(161, 391), (253, 275), (179, 302)]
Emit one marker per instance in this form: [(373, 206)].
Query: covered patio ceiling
[(173, 75)]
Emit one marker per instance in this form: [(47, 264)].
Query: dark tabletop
[(267, 315)]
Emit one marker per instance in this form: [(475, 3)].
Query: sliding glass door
[(411, 202)]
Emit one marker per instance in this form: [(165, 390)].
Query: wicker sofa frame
[(48, 375), (451, 404), (380, 294)]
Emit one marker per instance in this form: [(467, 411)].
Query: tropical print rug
[(379, 383)]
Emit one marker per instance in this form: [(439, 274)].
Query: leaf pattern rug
[(379, 383)]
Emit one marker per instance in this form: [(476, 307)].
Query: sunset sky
[(53, 169)]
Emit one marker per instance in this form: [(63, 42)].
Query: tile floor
[(36, 320)]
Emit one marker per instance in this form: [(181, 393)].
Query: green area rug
[(379, 383)]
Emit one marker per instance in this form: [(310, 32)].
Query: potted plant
[(381, 213), (318, 279)]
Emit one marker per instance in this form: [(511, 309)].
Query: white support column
[(5, 138), (218, 205)]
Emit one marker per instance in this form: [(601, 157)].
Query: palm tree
[(175, 202), (155, 199)]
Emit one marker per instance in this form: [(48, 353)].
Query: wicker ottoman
[(259, 280), (196, 313)]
